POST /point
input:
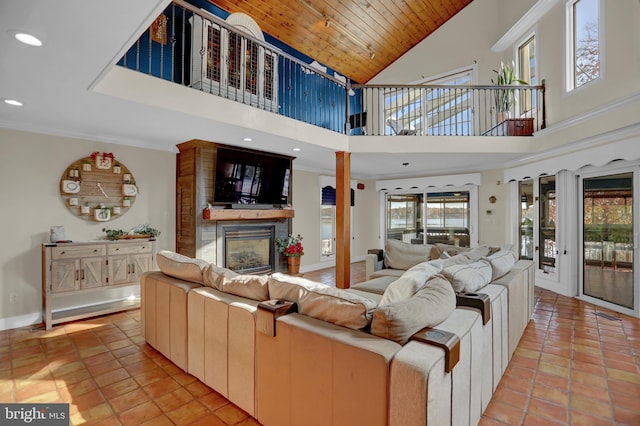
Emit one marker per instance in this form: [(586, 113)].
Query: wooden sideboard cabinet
[(73, 268)]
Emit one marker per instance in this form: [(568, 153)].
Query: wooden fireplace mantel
[(242, 214)]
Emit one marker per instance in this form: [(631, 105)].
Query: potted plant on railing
[(504, 98), (291, 248)]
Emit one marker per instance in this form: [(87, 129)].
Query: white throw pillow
[(182, 267), (401, 255), (501, 263), (468, 278), (431, 305), (410, 282), (255, 287), (323, 302), (213, 275)]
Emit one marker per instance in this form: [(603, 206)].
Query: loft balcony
[(231, 59)]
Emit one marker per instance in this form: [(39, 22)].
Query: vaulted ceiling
[(356, 38)]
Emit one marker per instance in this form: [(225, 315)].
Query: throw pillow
[(409, 283), (468, 278), (431, 305), (182, 267), (213, 274), (401, 255), (255, 287), (323, 302), (501, 263)]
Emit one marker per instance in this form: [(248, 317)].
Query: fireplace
[(249, 249)]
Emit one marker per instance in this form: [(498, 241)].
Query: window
[(526, 219), (447, 218), (328, 219), (328, 230), (547, 225), (426, 111), (527, 72), (403, 216), (583, 41)]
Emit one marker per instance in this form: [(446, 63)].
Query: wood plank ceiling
[(356, 38)]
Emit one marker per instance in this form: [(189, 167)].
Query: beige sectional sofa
[(289, 351)]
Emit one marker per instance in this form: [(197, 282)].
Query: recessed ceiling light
[(12, 102), (26, 38), (247, 139), (297, 149)]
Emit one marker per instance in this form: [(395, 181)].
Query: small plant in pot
[(291, 248), (504, 98)]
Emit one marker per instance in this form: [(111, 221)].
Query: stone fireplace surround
[(214, 247)]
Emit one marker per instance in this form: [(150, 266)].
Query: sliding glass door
[(609, 239)]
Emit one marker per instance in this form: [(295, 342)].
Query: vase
[(294, 265)]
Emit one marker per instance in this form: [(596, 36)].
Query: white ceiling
[(82, 41)]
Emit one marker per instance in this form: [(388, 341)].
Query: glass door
[(609, 241)]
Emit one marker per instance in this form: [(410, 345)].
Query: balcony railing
[(194, 48)]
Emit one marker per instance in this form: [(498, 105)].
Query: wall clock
[(98, 188)]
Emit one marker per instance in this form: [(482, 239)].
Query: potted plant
[(291, 248), (504, 98)]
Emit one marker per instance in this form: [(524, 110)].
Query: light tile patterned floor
[(571, 367)]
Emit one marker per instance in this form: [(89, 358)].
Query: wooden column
[(343, 219)]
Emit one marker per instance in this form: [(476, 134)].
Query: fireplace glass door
[(249, 249)]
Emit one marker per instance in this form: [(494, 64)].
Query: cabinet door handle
[(82, 275), (77, 274), (128, 270), (133, 268)]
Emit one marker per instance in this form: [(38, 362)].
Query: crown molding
[(528, 20)]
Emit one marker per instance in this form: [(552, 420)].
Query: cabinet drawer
[(67, 252), (129, 248)]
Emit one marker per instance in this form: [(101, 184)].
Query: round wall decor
[(98, 188)]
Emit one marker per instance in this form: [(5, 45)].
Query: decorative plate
[(70, 186)]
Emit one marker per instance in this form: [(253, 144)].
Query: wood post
[(343, 219)]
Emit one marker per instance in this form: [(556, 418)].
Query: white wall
[(306, 203), (31, 166)]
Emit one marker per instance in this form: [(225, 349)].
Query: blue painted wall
[(302, 95)]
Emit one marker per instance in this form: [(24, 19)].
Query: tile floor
[(571, 367)]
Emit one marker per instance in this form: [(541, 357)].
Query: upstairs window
[(432, 112), (583, 41), (527, 72)]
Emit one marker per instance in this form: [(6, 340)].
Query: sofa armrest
[(445, 340), (374, 261), (478, 301), (269, 311)]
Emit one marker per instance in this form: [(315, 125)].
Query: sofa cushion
[(323, 302), (501, 262), (182, 267), (458, 259), (401, 255), (410, 282), (393, 273), (213, 275), (450, 249), (376, 285), (470, 277), (255, 287), (431, 305)]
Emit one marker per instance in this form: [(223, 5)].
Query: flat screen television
[(251, 178)]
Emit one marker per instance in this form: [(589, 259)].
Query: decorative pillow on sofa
[(401, 255), (323, 302), (182, 267), (255, 287), (410, 282), (213, 275), (468, 278), (501, 262), (431, 305)]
